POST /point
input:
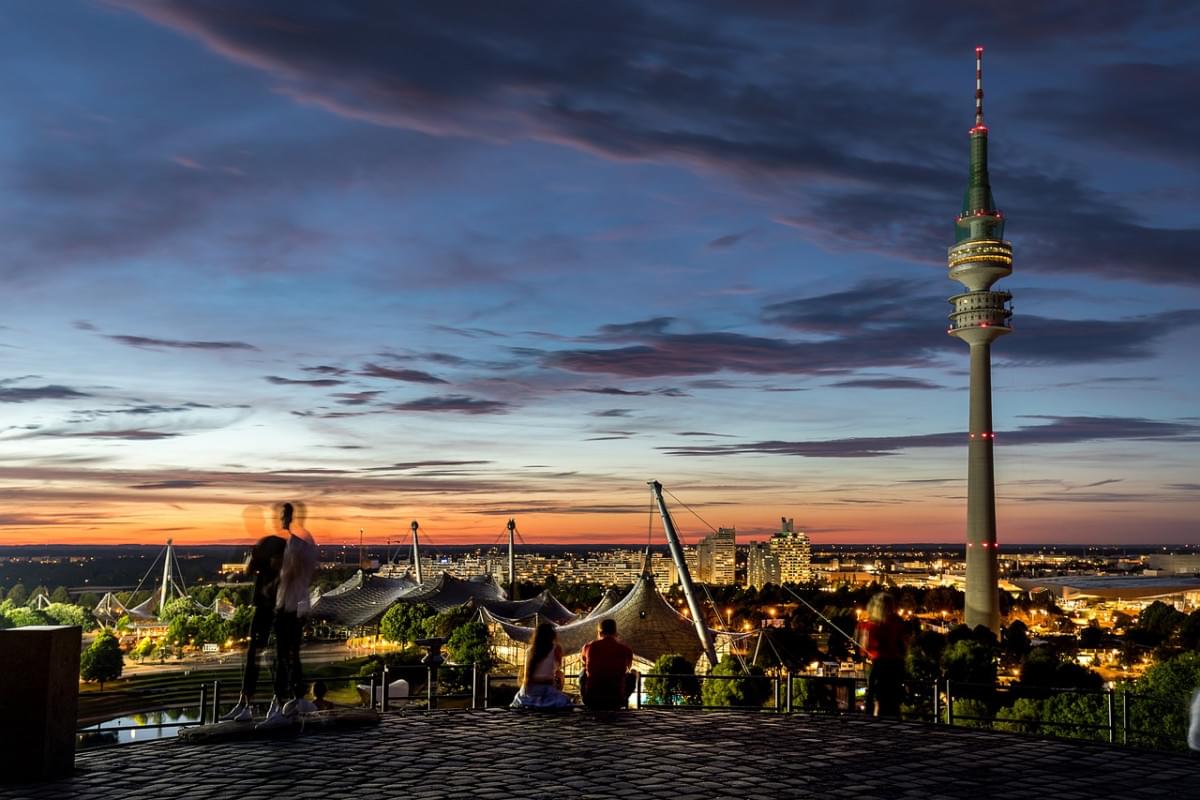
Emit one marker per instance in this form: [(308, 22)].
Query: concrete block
[(39, 701)]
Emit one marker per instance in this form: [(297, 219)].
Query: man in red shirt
[(607, 680)]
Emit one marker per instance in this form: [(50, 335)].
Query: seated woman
[(542, 680)]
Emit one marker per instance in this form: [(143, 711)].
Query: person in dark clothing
[(607, 680), (266, 559), (884, 638)]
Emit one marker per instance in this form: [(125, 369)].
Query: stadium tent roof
[(361, 600), (545, 607), (610, 598), (645, 621), (446, 592)]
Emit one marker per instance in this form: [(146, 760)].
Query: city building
[(716, 558), (762, 565), (793, 553), (978, 258)]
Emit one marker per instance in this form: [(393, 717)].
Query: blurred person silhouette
[(319, 691), (291, 609), (542, 678), (607, 680), (884, 637), (264, 563)]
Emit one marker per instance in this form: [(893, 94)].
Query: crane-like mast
[(416, 556), (685, 577)]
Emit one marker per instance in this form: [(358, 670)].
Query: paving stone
[(645, 754)]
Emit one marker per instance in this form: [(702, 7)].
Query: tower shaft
[(978, 259)]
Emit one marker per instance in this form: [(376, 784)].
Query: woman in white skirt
[(542, 682)]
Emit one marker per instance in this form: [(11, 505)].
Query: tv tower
[(979, 258)]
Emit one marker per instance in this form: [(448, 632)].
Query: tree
[(405, 622), (444, 624), (142, 649), (725, 688), (1022, 716), (180, 606), (1168, 687), (60, 595), (679, 683), (468, 644), (1189, 632), (1016, 640), (18, 595), (37, 592), (67, 614), (971, 713), (89, 600), (102, 661), (924, 657), (968, 661), (1080, 716)]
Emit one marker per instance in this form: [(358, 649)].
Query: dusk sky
[(461, 261)]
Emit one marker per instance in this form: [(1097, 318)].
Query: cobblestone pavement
[(645, 754)]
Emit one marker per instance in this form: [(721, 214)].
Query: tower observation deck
[(978, 258)]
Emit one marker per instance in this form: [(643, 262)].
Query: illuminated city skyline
[(457, 266)]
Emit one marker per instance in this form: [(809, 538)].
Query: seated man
[(607, 681)]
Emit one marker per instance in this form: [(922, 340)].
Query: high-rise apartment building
[(716, 557), (762, 566), (793, 553)]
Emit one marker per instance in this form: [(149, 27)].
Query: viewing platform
[(682, 755)]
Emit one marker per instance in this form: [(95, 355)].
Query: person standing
[(291, 609), (264, 564), (607, 680), (884, 638)]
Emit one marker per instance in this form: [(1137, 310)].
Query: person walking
[(291, 609), (266, 559), (883, 636)]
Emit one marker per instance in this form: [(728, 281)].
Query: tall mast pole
[(685, 577), (417, 552), (166, 578), (512, 560)]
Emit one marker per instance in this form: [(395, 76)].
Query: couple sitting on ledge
[(604, 685)]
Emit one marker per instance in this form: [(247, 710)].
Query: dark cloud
[(613, 390), (455, 403), (705, 433), (406, 375), (27, 394), (170, 484), (355, 398), (612, 412), (129, 434), (315, 382), (636, 330), (325, 369), (410, 465), (727, 241), (149, 343), (1059, 430), (886, 383)]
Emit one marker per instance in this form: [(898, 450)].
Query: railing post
[(487, 685), (788, 691), (474, 685), (776, 687), (1112, 718), (637, 691), (1125, 717), (383, 700), (949, 704), (203, 701), (937, 697), (216, 701), (371, 696)]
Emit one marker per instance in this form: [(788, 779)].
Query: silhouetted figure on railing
[(884, 638), (607, 680), (542, 679), (266, 559)]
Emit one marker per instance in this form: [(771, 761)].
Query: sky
[(463, 261)]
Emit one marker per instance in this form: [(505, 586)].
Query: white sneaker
[(298, 706), (275, 719), (233, 714)]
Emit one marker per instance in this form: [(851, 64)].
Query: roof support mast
[(166, 579), (685, 577), (512, 560), (416, 552)]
